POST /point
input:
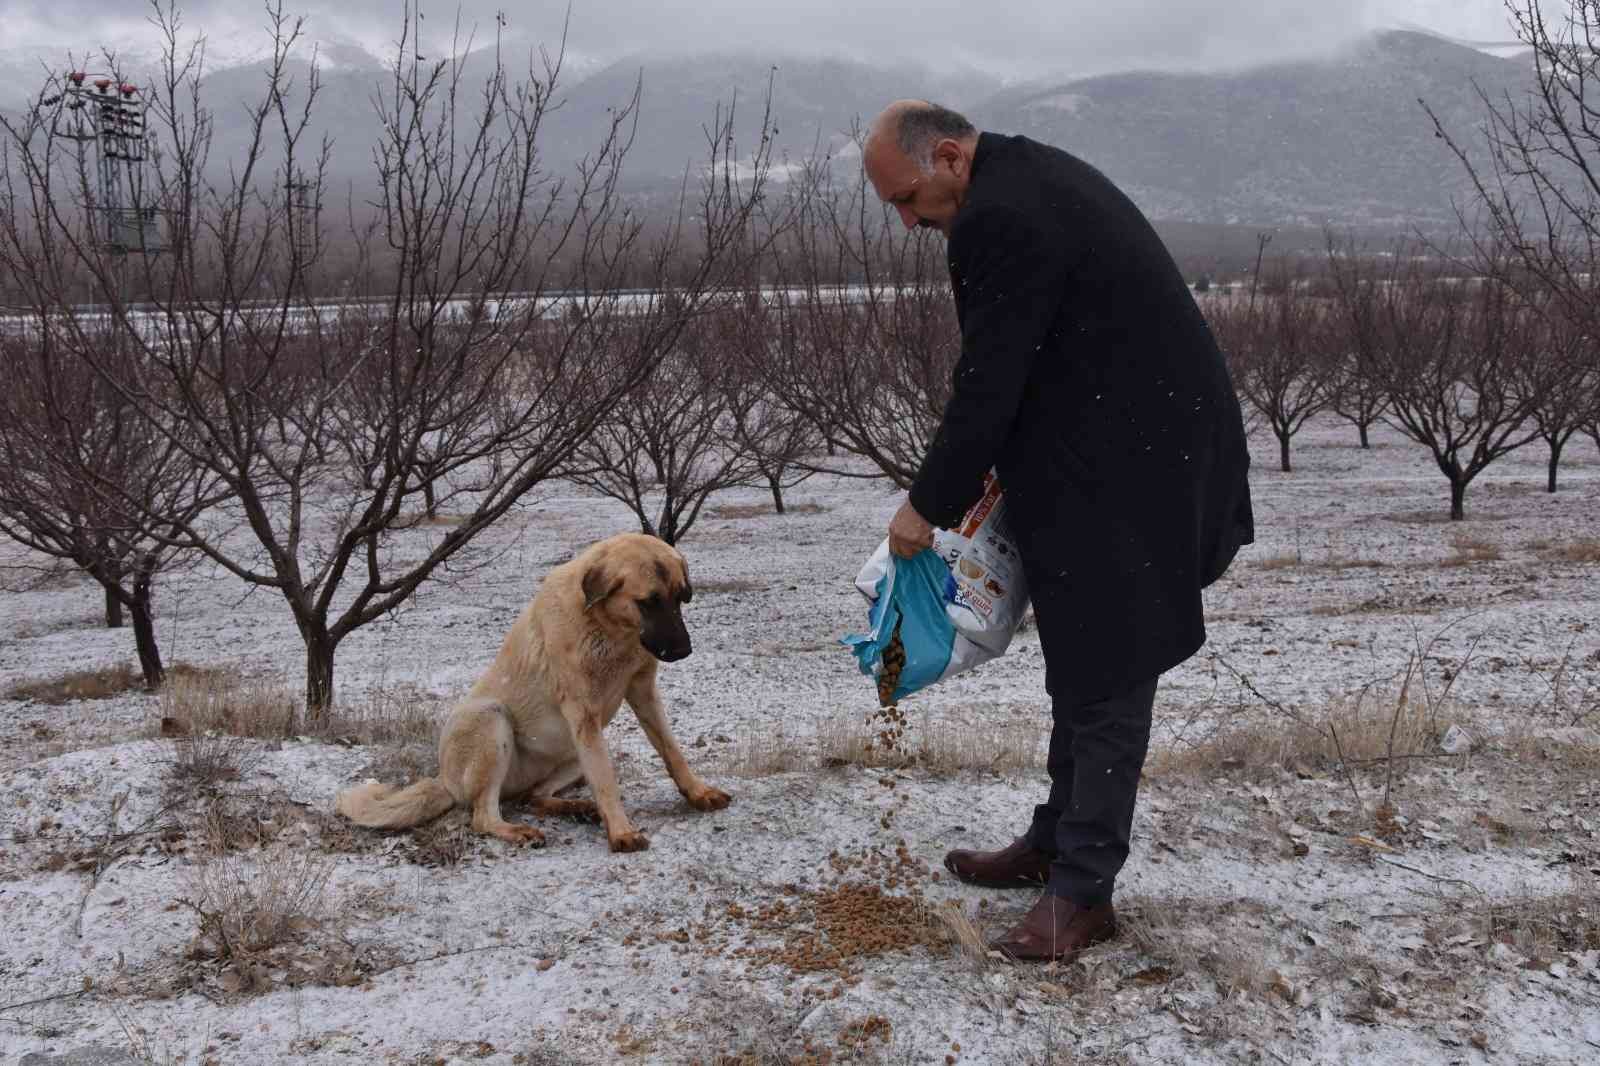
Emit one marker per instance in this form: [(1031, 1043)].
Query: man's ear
[(598, 585)]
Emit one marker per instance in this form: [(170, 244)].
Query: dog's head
[(637, 583)]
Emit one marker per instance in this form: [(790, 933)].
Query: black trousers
[(1097, 751)]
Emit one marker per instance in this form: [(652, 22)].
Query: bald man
[(1089, 381)]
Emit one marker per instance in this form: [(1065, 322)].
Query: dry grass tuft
[(1364, 731), (760, 510), (942, 744), (1470, 549), (967, 939), (729, 585), (399, 716), (206, 760), (1341, 564), (225, 704), (220, 703), (265, 919), (1530, 748), (1542, 928), (1278, 562), (100, 684), (250, 903), (1219, 940), (1584, 550)]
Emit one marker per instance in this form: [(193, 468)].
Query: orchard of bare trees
[(1469, 364), (500, 326)]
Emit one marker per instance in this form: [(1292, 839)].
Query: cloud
[(1021, 38)]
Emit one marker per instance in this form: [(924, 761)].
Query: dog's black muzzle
[(664, 635)]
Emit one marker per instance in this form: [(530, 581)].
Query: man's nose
[(908, 217)]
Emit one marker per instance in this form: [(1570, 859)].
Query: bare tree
[(669, 443), (83, 479), (866, 337), (1446, 359), (1355, 392), (1278, 353), (1591, 421), (776, 438), (1539, 186), (439, 385), (1557, 371)]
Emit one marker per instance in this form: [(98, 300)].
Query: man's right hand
[(909, 532)]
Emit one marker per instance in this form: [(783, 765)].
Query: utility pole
[(106, 116)]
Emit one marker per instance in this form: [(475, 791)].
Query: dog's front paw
[(519, 834), (632, 840), (708, 799)]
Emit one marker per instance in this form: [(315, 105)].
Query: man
[(1089, 381)]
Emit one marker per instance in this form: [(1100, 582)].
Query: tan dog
[(591, 637)]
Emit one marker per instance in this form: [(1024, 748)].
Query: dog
[(592, 636)]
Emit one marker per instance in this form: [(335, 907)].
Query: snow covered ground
[(1271, 911)]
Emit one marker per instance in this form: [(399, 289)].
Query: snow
[(571, 954)]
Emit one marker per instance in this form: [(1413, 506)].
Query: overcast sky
[(1018, 38)]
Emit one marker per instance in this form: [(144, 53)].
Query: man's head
[(918, 157)]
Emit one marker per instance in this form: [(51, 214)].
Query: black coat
[(1090, 381)]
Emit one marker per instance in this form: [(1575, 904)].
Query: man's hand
[(909, 532)]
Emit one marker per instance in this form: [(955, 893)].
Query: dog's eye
[(653, 602)]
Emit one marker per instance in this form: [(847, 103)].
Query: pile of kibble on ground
[(870, 904)]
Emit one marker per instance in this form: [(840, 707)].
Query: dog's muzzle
[(670, 655)]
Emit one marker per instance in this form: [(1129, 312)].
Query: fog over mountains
[(1339, 139)]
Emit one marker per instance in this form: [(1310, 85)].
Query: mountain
[(813, 101), (1340, 139)]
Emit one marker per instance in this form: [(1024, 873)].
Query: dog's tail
[(390, 807)]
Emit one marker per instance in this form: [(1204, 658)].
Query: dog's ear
[(598, 585)]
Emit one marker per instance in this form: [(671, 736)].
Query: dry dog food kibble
[(894, 661)]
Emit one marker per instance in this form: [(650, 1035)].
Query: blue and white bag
[(955, 605)]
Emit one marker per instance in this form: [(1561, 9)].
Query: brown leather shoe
[(1056, 929), (1016, 865)]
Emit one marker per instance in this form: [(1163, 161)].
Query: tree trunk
[(1283, 451), (429, 503), (777, 492), (109, 571), (1458, 499), (1361, 427), (319, 674), (144, 625), (1555, 461)]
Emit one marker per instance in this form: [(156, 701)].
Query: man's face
[(923, 199)]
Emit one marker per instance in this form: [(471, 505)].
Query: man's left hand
[(909, 532)]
